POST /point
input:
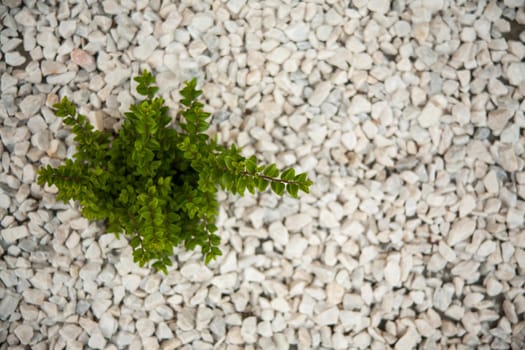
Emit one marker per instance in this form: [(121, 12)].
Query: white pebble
[(430, 115), (461, 230), (235, 6), (279, 55), (11, 235), (31, 104), (24, 333), (297, 31), (278, 233), (196, 272), (409, 340), (67, 28), (491, 182), (392, 273), (14, 59), (202, 22), (249, 330), (380, 6), (327, 317), (296, 222), (295, 247), (321, 92)]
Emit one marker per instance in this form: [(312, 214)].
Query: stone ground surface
[(408, 115)]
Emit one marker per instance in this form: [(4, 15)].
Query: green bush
[(155, 183)]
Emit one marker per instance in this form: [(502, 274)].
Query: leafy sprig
[(156, 184)]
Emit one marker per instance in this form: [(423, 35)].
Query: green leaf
[(304, 188), (271, 171), (215, 240), (216, 251), (202, 126), (301, 177), (209, 257), (189, 92), (241, 185), (250, 185), (288, 174), (69, 121), (262, 184), (190, 245), (145, 80), (157, 184), (292, 189), (251, 165), (278, 188), (160, 266), (135, 241)]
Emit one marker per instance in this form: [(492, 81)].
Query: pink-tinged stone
[(82, 58)]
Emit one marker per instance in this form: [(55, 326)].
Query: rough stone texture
[(407, 115)]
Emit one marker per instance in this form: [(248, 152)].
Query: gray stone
[(36, 124), (61, 79), (52, 67), (34, 296), (5, 201), (67, 28), (498, 119), (49, 41), (516, 73), (25, 17), (31, 104), (24, 333), (145, 327), (41, 280), (70, 332), (11, 235), (507, 158), (8, 305), (14, 59)]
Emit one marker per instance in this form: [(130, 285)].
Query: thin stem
[(269, 178)]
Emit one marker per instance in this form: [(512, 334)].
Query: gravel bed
[(408, 116)]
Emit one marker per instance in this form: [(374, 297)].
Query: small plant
[(155, 183)]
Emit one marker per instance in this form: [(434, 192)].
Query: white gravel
[(406, 114)]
